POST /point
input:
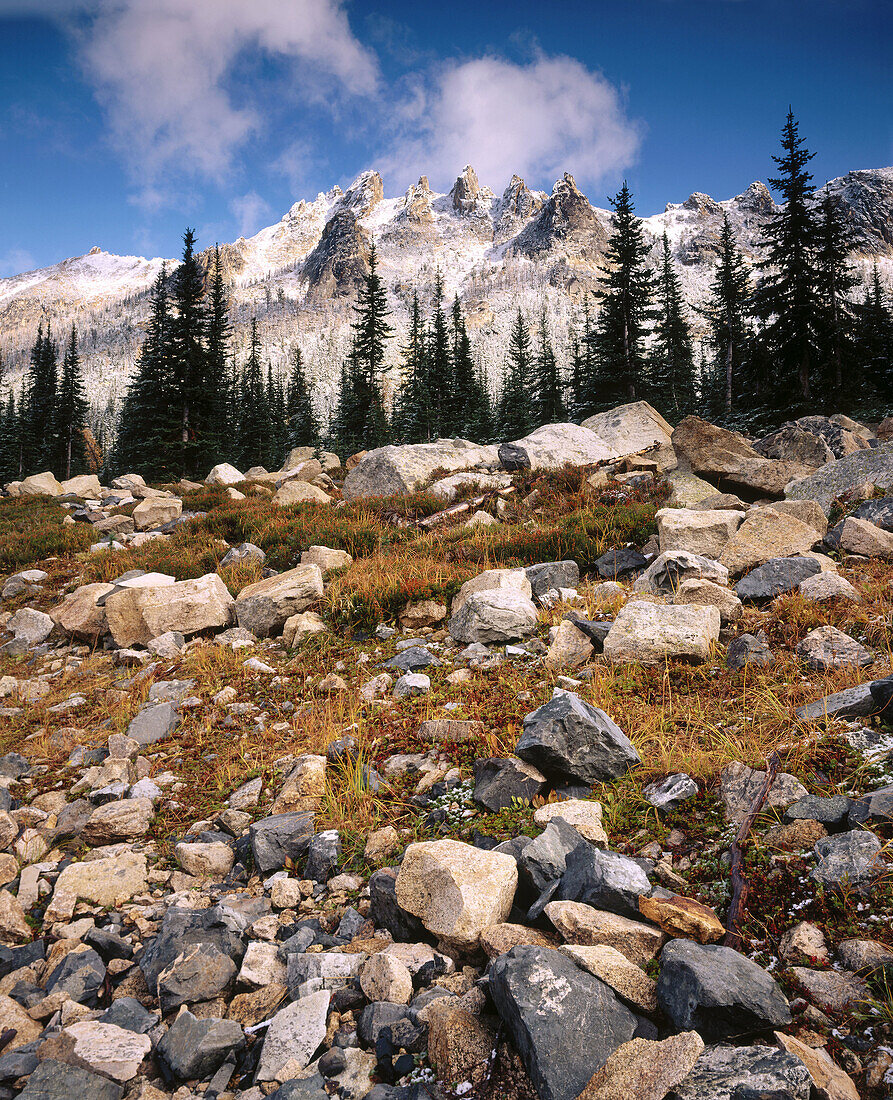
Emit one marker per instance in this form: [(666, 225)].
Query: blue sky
[(123, 120)]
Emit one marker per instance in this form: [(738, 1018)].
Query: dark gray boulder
[(130, 1015), (617, 563), (375, 1017), (831, 812), (546, 575), (852, 857), (745, 1073), (79, 975), (569, 739), (409, 660), (311, 1088), (544, 860), (604, 880), (185, 928), (386, 912), (775, 577), (747, 650), (718, 991), (154, 722), (564, 1022), (201, 973), (194, 1049), (596, 632), (323, 855), (499, 782), (280, 838), (53, 1080), (855, 702), (874, 807)]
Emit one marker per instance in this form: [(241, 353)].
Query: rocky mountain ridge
[(299, 275)]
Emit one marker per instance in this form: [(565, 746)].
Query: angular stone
[(670, 793), (205, 860), (828, 586), (456, 890), (499, 783), (864, 955), (846, 473), (297, 628), (776, 578), (803, 941), (13, 926), (105, 882), (831, 990), (385, 978), (718, 991), (499, 938), (39, 485), (698, 591), (829, 811), (136, 615), (604, 880), (667, 572), (680, 916), (515, 580), (294, 1033), (564, 1022), (633, 428), (109, 1050), (264, 607), (224, 474), (544, 860), (764, 535), (199, 973), (584, 815), (192, 1048), (826, 647), (548, 575), (796, 837), (852, 857), (80, 974), (617, 563), (581, 924), (156, 512), (631, 984), (153, 722), (117, 821), (747, 650), (699, 531), (422, 613), (745, 1073), (403, 469), (182, 929), (828, 1080), (795, 444), (53, 1080), (649, 633), (570, 740), (856, 702), (300, 492), (279, 838), (33, 627), (494, 616), (326, 558), (570, 647), (645, 1070), (460, 1045), (553, 446), (13, 1017), (740, 786), (80, 616)]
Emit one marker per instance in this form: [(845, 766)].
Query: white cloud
[(162, 70), (537, 119), (16, 260), (251, 210)]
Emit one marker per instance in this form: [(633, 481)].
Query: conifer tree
[(516, 414), (841, 379), (726, 312), (412, 404), (786, 299), (583, 356), (621, 360), (471, 417), (360, 422), (302, 427), (672, 366), (39, 416), (548, 405), (441, 383), (275, 442), (10, 440), (218, 375), (71, 413), (874, 341), (253, 429), (194, 401)]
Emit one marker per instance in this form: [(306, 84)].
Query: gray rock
[(279, 838), (544, 860), (244, 552), (671, 792), (826, 647), (376, 1017), (604, 880), (153, 722), (564, 1022), (552, 574), (412, 683), (494, 615), (53, 1080), (795, 444), (876, 806), (310, 1088), (412, 659), (745, 1073), (80, 975), (499, 783), (295, 1032), (855, 702), (569, 739), (194, 1049), (129, 1014), (324, 970), (718, 991), (831, 812), (386, 912), (775, 577), (846, 473), (323, 855), (171, 691), (402, 469), (747, 650), (664, 575), (33, 627), (199, 973), (878, 512), (13, 765), (851, 857), (617, 563), (185, 928)]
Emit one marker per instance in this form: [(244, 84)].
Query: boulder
[(460, 1045), (40, 485), (300, 492), (852, 858), (494, 616), (617, 563), (664, 575), (807, 511), (569, 740), (718, 992), (669, 794), (570, 647), (543, 860), (553, 446), (686, 490), (824, 586), (295, 1032), (731, 461), (583, 814), (698, 591), (30, 626), (842, 435), (53, 1080), (699, 531), (859, 536), (83, 485), (581, 924), (105, 882), (403, 469), (794, 444), (740, 786), (645, 1069), (265, 606), (211, 859), (835, 991), (745, 1073), (681, 916), (80, 616), (119, 821), (153, 722), (766, 534), (630, 982), (194, 1048), (456, 890), (844, 474), (156, 512), (136, 615), (854, 702), (280, 838), (826, 647), (224, 474), (634, 428), (775, 578), (828, 1079), (499, 783), (515, 580), (650, 633), (109, 1050), (605, 880), (548, 575), (326, 558), (297, 628), (422, 613), (564, 1022)]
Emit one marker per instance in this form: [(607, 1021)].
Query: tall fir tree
[(874, 341), (10, 440), (471, 415), (621, 358), (360, 422), (411, 421), (583, 357), (842, 382), (671, 381), (726, 311), (39, 415), (189, 355), (276, 435), (548, 392), (218, 374), (787, 297), (516, 415), (254, 421), (441, 382), (71, 413), (302, 426)]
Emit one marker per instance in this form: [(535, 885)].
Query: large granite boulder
[(494, 616), (403, 469), (745, 1073), (633, 428), (80, 615), (651, 633), (766, 534), (265, 606), (136, 615), (553, 446), (875, 466), (699, 531)]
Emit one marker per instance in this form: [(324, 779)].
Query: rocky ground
[(558, 773)]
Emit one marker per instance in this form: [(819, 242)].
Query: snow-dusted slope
[(525, 248)]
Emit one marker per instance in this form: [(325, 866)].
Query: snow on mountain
[(539, 251)]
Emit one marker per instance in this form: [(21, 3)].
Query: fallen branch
[(736, 870)]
